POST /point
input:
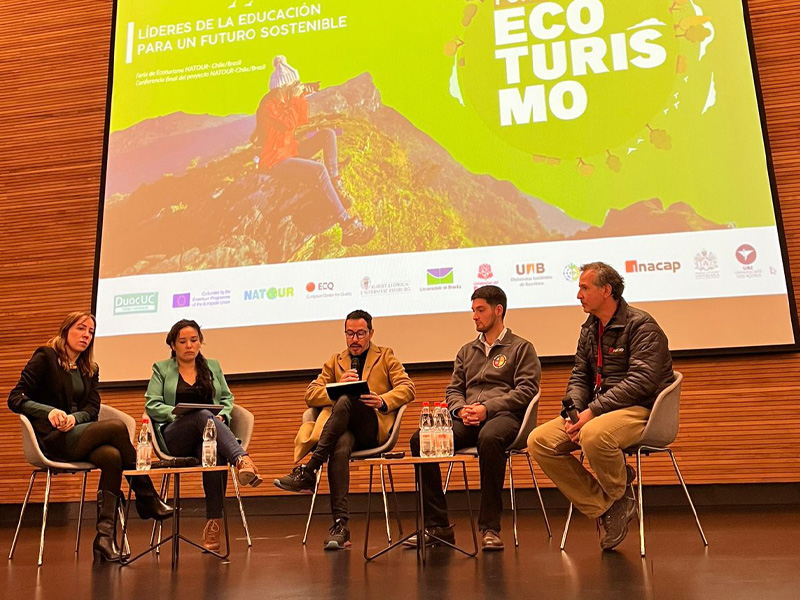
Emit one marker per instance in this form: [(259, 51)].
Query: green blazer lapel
[(170, 382)]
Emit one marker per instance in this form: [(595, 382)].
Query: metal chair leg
[(80, 512), (21, 514), (177, 508), (163, 495), (241, 506), (513, 500), (688, 497), (385, 506), (44, 516), (313, 500), (538, 493), (641, 499), (396, 504), (447, 480), (126, 548)]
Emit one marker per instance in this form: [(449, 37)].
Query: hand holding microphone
[(352, 373)]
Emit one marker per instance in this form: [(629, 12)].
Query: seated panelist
[(57, 391), (189, 377), (350, 423)]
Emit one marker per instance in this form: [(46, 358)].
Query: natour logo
[(272, 293), (530, 269), (746, 254), (485, 271), (635, 266), (572, 272), (137, 303), (573, 79), (323, 286)]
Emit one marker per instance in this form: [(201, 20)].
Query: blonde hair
[(85, 361)]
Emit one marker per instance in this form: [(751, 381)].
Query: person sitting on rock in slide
[(279, 114)]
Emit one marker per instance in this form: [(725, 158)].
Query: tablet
[(349, 388), (185, 407)]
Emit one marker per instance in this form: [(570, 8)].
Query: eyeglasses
[(360, 334)]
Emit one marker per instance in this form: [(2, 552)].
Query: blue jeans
[(184, 437), (302, 169)]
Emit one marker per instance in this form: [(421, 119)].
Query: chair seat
[(69, 467), (472, 451)]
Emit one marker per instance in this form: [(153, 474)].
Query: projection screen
[(271, 166)]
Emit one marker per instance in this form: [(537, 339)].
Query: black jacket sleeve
[(28, 386)]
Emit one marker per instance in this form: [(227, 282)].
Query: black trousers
[(491, 437), (352, 426)]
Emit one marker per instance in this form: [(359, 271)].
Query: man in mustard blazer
[(350, 423)]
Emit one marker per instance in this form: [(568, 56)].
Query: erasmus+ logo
[(134, 304)]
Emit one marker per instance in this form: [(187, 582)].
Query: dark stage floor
[(754, 553)]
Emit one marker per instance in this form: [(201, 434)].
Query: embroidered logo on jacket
[(616, 350), (499, 361)]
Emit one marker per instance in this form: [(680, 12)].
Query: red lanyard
[(599, 378)]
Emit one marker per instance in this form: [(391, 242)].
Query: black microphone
[(569, 411), (354, 363)]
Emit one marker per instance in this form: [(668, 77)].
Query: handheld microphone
[(354, 363), (569, 411)]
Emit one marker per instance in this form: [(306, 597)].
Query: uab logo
[(137, 303)]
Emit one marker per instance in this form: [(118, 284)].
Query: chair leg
[(313, 501), (641, 499), (241, 506), (44, 516), (396, 504), (447, 480), (569, 517), (539, 493), (168, 478), (513, 500), (80, 512), (126, 548), (21, 514), (688, 497), (385, 507), (163, 495)]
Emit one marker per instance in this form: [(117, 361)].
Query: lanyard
[(598, 382)]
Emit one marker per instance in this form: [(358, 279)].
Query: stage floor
[(754, 553)]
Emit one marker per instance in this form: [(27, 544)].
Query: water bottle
[(210, 444), (144, 447), (448, 431), (439, 446), (425, 432)]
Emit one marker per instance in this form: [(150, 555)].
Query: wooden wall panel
[(739, 421)]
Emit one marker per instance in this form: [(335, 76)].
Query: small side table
[(417, 463), (176, 535)]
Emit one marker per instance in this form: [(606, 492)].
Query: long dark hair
[(204, 378)]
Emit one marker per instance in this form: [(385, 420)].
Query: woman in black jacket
[(57, 391)]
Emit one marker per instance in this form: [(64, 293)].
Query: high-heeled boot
[(105, 546), (148, 504)]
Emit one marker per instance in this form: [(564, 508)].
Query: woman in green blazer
[(188, 377)]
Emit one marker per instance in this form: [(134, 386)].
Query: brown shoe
[(491, 541), (246, 472), (211, 535)]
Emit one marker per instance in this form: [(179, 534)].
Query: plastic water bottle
[(448, 431), (210, 444), (144, 447), (426, 449), (439, 445)]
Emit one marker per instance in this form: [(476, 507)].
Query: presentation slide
[(273, 165)]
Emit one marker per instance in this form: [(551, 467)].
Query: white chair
[(242, 425), (311, 414), (42, 464), (660, 431), (519, 447)]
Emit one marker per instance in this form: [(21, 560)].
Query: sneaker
[(615, 522), (246, 472), (491, 541), (300, 480), (338, 536), (355, 233), (211, 535), (443, 533)]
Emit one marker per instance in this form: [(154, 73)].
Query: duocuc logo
[(136, 303)]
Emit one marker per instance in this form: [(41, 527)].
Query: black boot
[(148, 504), (105, 546)]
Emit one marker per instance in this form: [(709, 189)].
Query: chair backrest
[(528, 424), (242, 424), (662, 426), (390, 442), (160, 453), (109, 412)]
